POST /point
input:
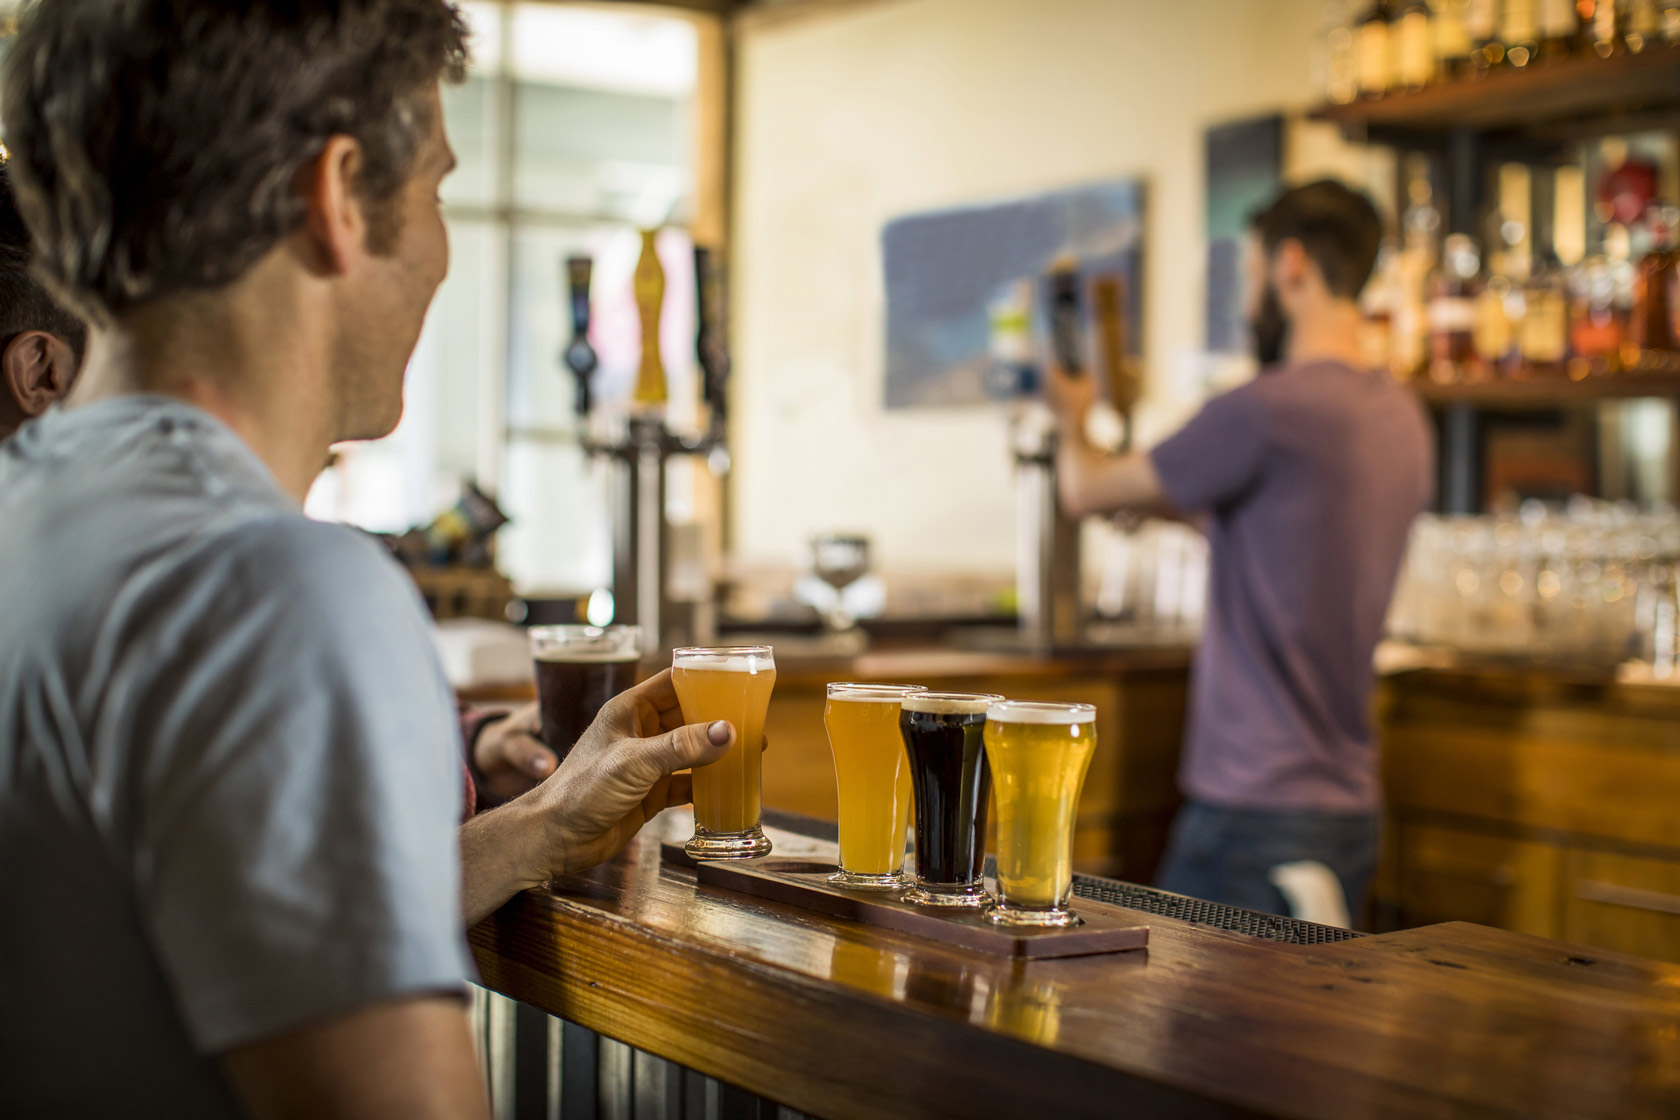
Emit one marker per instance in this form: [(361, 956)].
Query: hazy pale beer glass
[(950, 789), (731, 683), (1039, 754), (873, 777), (580, 668)]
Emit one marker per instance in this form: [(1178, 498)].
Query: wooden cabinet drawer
[(1622, 902), (1453, 875)]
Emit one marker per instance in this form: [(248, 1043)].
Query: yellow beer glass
[(731, 683), (873, 778), (1039, 754)]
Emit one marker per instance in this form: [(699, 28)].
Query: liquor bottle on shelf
[(1519, 30), (1452, 39), (1374, 62), (1543, 336), (1596, 330), (1668, 22), (1376, 304), (1624, 278), (1499, 308), (1656, 294), (1641, 26), (1559, 29), (1341, 54), (1414, 51), (1420, 228), (650, 301), (1452, 312), (1600, 26), (1408, 337), (1481, 23)]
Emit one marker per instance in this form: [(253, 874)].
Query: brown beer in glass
[(580, 668)]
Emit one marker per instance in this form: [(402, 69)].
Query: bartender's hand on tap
[(509, 757), (1090, 481), (1070, 399), (621, 774)]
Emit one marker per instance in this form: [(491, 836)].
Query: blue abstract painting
[(944, 268)]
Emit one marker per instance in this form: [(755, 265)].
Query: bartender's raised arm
[(1204, 466), (1090, 480)]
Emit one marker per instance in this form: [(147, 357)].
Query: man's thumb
[(697, 744)]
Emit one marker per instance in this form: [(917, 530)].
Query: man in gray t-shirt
[(229, 771), (229, 777), (1308, 478)]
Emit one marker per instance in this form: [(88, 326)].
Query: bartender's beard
[(1269, 329)]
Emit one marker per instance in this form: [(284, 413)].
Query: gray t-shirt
[(229, 775), (1311, 476)]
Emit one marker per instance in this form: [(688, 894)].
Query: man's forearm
[(499, 858), (1093, 482)]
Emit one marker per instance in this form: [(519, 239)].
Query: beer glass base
[(1003, 914), (862, 881), (946, 894), (728, 845)]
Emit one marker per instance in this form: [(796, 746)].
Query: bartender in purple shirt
[(1308, 478)]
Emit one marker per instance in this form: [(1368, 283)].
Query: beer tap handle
[(579, 356), (710, 343), (1064, 311), (1108, 305)]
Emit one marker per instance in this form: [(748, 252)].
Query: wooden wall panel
[(1623, 902), (1449, 874)]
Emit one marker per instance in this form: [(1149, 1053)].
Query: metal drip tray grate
[(1214, 914)]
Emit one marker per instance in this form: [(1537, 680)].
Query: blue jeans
[(1226, 855)]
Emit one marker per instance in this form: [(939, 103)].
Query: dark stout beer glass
[(951, 786), (580, 668)]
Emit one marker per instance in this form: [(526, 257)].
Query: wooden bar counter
[(840, 1020)]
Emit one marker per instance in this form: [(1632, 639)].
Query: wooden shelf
[(1545, 100), (1550, 390)]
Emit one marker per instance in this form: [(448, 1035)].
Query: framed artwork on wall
[(945, 269)]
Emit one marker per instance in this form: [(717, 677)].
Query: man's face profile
[(388, 302)]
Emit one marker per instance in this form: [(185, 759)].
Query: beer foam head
[(725, 659), (950, 703), (1027, 711), (873, 693), (573, 655), (586, 644)]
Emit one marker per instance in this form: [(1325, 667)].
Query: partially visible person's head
[(40, 342), (165, 150), (1311, 245)]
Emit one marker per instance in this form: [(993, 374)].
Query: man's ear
[(38, 368), (1289, 267), (335, 224)]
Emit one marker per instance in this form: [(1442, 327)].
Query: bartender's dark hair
[(25, 304), (1336, 225), (155, 142)]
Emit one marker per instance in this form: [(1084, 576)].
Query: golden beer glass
[(1039, 754), (730, 683), (873, 778)]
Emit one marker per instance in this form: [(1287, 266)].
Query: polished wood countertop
[(803, 666), (944, 664), (841, 1020)]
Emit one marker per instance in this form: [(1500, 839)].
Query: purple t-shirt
[(1310, 476)]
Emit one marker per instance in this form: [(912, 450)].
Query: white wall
[(861, 113)]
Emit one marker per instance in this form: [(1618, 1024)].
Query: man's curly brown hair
[(155, 143)]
